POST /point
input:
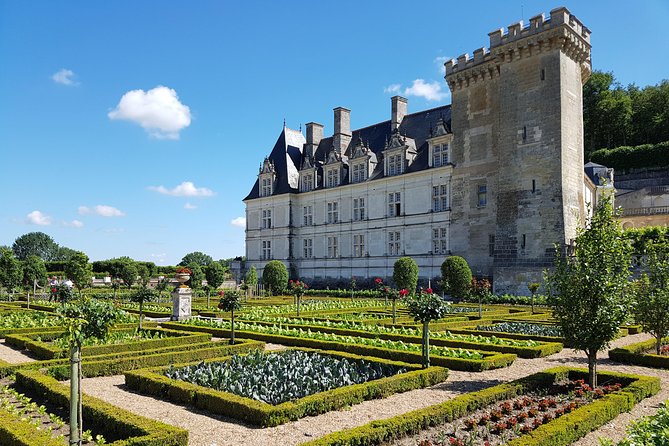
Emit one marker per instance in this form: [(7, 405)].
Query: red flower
[(378, 281), (221, 293), (53, 290), (428, 291), (404, 292), (290, 281)]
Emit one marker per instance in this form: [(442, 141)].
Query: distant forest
[(617, 116)]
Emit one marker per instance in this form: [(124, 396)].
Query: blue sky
[(97, 155)]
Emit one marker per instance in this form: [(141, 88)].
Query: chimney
[(399, 111), (342, 129), (314, 136)]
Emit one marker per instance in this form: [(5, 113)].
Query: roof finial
[(300, 127), (284, 123)]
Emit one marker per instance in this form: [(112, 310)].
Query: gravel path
[(207, 430), (11, 355)]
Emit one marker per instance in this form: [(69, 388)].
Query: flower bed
[(154, 382), (641, 353), (470, 409)]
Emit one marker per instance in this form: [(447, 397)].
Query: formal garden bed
[(643, 353), (269, 389), (553, 407)]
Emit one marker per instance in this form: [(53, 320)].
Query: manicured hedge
[(490, 360), (259, 413), (15, 432), (560, 432), (56, 329), (120, 427), (629, 157), (637, 354)]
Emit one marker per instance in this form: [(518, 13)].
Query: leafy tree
[(11, 272), (35, 243), (140, 296), (79, 271), (34, 270), (197, 257), (426, 307), (83, 320), (405, 274), (215, 275), (652, 302), (144, 274), (481, 290), (251, 278), (588, 290), (126, 268), (230, 301), (63, 254), (196, 276), (162, 286), (275, 277), (297, 289), (456, 276), (533, 287)]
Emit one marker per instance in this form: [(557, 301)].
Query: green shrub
[(275, 277), (457, 276), (630, 157), (405, 274)]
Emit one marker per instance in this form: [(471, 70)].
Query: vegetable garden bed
[(470, 409), (154, 382)]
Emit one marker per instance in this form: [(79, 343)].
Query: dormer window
[(395, 165), (439, 143), (439, 155), (306, 182), (399, 152), (266, 187), (332, 177), (266, 178), (361, 162), (359, 173)]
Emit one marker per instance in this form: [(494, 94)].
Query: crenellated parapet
[(561, 30)]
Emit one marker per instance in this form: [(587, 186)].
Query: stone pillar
[(181, 303)]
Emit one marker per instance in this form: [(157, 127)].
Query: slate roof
[(597, 172), (416, 126)]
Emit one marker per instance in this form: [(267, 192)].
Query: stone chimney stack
[(399, 111), (314, 136), (342, 129)]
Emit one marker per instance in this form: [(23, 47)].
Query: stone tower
[(517, 120)]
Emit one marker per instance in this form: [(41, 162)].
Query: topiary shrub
[(275, 277), (405, 274), (457, 276)]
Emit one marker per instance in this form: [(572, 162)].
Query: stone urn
[(182, 278)]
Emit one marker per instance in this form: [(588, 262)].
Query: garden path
[(206, 430), (11, 355)]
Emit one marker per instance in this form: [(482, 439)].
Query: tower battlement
[(561, 29)]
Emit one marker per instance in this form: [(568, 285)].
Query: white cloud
[(65, 77), (393, 89), (239, 222), (101, 210), (38, 218), (74, 224), (185, 189), (159, 258), (430, 91), (190, 206), (158, 111)]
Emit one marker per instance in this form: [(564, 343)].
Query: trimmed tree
[(456, 276), (79, 271), (83, 320), (533, 287), (215, 275), (140, 296), (588, 290), (652, 301), (425, 307), (388, 293), (297, 288), (251, 279), (230, 301), (405, 274), (275, 277), (11, 272)]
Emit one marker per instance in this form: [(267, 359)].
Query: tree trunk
[(75, 358), (141, 305), (592, 369), (80, 411), (232, 327), (299, 301), (394, 311), (480, 308), (426, 344), (532, 303), (208, 293), (658, 343)]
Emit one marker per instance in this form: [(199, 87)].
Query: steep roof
[(416, 126)]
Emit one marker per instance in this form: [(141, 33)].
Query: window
[(333, 178), (395, 165), (266, 253), (482, 195), (358, 209), (307, 248), (307, 182), (394, 242), (440, 240), (333, 212), (359, 245), (439, 198), (523, 243), (394, 204), (308, 216), (266, 187), (266, 218), (359, 173), (333, 250), (439, 155), (491, 245)]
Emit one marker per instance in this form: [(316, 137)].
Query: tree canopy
[(35, 243), (197, 257)]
